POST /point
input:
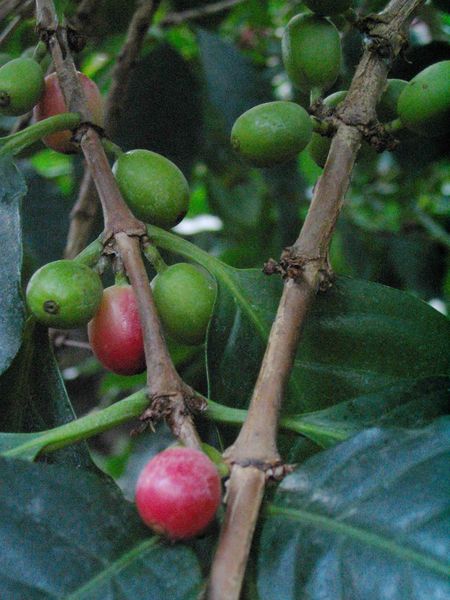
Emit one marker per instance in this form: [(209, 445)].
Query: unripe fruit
[(328, 7), (52, 103), (271, 133), (153, 187), (424, 104), (387, 106), (311, 50), (184, 297), (64, 294), (319, 146), (21, 86), (115, 332), (178, 493)]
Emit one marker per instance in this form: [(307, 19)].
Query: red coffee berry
[(178, 493), (115, 332), (52, 103)]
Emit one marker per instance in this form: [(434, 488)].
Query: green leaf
[(410, 403), (232, 83), (163, 108), (33, 396), (67, 534), (12, 190), (367, 520), (359, 337)]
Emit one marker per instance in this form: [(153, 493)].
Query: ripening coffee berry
[(271, 133), (184, 296), (311, 49), (53, 103), (115, 332), (329, 7), (153, 187), (21, 86), (64, 294), (424, 104), (178, 493)]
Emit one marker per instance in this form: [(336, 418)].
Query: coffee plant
[(224, 351)]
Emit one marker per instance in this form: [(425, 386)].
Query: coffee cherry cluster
[(274, 132)]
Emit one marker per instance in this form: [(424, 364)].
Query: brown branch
[(86, 207), (177, 18), (123, 234), (256, 445)]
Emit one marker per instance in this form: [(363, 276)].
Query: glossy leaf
[(409, 403), (12, 190), (67, 534), (359, 337), (33, 396), (367, 520)]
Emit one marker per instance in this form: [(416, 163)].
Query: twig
[(86, 207), (177, 18), (15, 22), (169, 395), (305, 267)]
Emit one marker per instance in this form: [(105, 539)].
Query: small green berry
[(21, 86)]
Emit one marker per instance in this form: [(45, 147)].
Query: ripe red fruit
[(178, 493), (52, 103), (115, 332)]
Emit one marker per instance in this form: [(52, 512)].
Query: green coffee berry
[(64, 294), (184, 296), (387, 106), (153, 187), (271, 133), (311, 49), (424, 104), (21, 86)]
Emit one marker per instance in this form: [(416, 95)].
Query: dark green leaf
[(359, 338), (163, 108), (33, 396), (12, 190), (67, 534), (410, 403), (367, 520), (233, 85)]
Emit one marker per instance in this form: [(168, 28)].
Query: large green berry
[(387, 106), (184, 296), (329, 7), (21, 86), (153, 187), (271, 133), (311, 52), (424, 104), (64, 294)]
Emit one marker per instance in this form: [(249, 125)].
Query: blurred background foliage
[(193, 80)]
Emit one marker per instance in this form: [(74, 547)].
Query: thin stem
[(16, 142), (306, 260), (85, 209), (169, 395), (91, 254), (154, 257), (177, 18), (111, 148), (393, 126)]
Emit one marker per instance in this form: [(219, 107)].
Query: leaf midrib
[(113, 569), (363, 535)]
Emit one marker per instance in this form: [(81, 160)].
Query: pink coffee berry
[(178, 493)]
